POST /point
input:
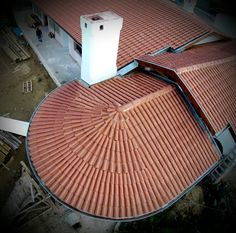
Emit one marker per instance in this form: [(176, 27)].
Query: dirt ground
[(18, 105), (14, 103)]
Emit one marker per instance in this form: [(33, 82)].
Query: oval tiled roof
[(121, 149)]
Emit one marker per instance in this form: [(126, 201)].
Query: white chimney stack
[(100, 41)]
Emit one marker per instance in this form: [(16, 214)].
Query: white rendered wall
[(74, 54), (100, 40), (65, 39), (61, 37)]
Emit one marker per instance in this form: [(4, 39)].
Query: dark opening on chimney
[(96, 17)]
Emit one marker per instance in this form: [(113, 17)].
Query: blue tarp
[(17, 31)]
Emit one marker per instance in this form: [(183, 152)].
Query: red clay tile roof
[(209, 72), (121, 149), (148, 26)]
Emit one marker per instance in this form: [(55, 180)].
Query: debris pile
[(27, 200)]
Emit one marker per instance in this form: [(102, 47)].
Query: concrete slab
[(14, 126), (55, 58)]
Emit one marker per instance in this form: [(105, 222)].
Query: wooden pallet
[(10, 140), (4, 151)]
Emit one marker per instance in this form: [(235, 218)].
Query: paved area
[(56, 59)]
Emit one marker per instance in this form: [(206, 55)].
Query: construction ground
[(25, 207), (14, 187)]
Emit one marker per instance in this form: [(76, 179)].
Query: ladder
[(27, 86)]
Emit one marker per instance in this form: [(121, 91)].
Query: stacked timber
[(11, 46), (12, 141), (4, 151), (7, 142)]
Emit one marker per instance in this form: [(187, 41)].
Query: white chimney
[(100, 40)]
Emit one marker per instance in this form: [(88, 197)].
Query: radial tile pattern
[(122, 149), (209, 72), (148, 25)]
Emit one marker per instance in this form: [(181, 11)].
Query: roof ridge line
[(204, 64), (144, 99)]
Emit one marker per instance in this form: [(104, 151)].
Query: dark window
[(78, 48), (101, 27)]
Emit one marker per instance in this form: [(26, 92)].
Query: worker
[(39, 34)]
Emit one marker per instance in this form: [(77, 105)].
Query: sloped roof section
[(148, 26), (209, 73), (122, 149)]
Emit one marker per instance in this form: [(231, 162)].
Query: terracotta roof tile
[(148, 25), (122, 155), (209, 72)]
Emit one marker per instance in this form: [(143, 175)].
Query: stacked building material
[(9, 140), (11, 46)]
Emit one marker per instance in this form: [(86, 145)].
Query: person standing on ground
[(39, 34)]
